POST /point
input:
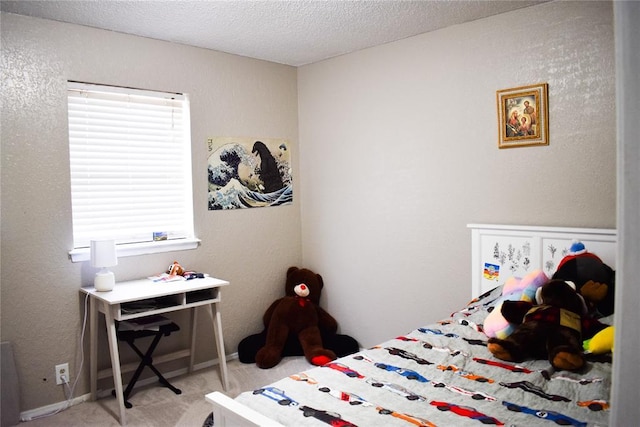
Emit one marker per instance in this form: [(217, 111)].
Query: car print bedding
[(440, 374)]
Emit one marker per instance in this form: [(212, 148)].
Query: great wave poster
[(248, 173)]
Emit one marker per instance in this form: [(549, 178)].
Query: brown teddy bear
[(299, 313), (554, 329)]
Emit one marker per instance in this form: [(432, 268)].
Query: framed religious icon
[(523, 116)]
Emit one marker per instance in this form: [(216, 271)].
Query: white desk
[(179, 295)]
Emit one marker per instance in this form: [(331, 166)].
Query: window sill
[(145, 248)]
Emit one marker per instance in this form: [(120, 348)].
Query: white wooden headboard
[(502, 251)]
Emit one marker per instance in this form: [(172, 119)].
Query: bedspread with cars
[(437, 375)]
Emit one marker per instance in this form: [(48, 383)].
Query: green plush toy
[(600, 343)]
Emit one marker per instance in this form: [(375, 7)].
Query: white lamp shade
[(103, 253)]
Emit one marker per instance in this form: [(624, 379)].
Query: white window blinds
[(130, 157)]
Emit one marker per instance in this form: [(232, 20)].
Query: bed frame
[(498, 252), (227, 412), (502, 251)]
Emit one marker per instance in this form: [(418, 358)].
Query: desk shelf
[(165, 304)]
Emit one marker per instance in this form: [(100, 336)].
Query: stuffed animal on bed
[(296, 325), (514, 289), (601, 343), (554, 329), (594, 279)]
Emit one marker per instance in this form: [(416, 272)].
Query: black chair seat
[(146, 359), (162, 329)]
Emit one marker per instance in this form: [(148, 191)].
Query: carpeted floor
[(156, 406)]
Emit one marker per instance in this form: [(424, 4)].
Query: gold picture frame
[(523, 116)]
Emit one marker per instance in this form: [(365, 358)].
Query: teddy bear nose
[(303, 286)]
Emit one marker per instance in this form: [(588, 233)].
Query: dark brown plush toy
[(554, 329), (299, 313), (594, 279)]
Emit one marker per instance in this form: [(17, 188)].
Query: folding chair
[(146, 360)]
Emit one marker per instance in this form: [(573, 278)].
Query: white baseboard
[(48, 410), (54, 408), (171, 374)]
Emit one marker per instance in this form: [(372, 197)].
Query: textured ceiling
[(293, 32)]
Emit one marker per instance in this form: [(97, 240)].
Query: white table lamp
[(103, 255)]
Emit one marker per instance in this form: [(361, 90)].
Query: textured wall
[(399, 153), (230, 96)]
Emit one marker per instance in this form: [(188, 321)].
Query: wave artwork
[(248, 173)]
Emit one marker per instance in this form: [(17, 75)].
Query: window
[(130, 164)]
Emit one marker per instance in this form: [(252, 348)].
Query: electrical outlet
[(62, 370)]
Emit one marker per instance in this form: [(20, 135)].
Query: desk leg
[(115, 363), (217, 329), (194, 322), (93, 346)]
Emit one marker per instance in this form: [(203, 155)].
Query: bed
[(442, 373)]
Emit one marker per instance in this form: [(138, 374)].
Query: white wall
[(626, 375), (399, 152), (230, 96)]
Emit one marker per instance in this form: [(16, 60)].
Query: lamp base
[(104, 281)]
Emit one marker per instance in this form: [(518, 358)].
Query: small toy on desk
[(176, 272), (175, 269)]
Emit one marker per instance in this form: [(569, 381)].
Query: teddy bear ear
[(539, 296), (320, 281), (291, 270)]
